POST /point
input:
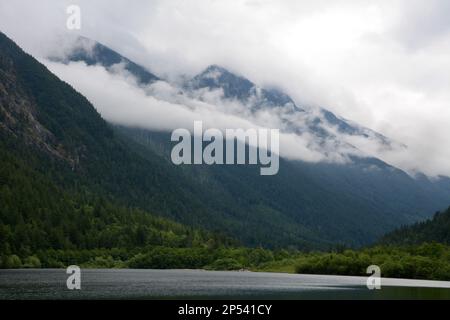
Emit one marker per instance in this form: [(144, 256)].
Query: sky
[(384, 64)]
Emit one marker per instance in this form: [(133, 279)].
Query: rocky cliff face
[(19, 114)]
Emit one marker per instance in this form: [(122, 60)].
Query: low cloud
[(383, 64), (160, 107)]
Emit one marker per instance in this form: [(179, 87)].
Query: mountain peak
[(92, 52), (217, 77), (239, 88), (215, 68)]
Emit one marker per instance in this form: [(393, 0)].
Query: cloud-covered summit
[(240, 88), (220, 98), (383, 64)]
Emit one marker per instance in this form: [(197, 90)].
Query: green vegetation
[(51, 133), (43, 225), (46, 224), (419, 251), (75, 191), (436, 229), (429, 261), (72, 191), (181, 251)]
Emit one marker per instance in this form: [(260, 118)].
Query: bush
[(12, 262), (32, 262), (428, 261), (259, 256), (225, 264), (104, 262), (171, 258)]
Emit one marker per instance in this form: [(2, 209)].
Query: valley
[(76, 189)]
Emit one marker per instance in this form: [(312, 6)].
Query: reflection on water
[(199, 284)]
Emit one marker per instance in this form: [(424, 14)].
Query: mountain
[(95, 53), (322, 123), (319, 122), (240, 88), (306, 204), (56, 147), (436, 229), (60, 165), (52, 135), (323, 201)]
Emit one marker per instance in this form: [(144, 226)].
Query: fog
[(383, 64)]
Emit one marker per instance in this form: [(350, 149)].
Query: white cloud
[(384, 64), (119, 99)]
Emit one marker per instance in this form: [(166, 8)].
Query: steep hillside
[(57, 133), (53, 139), (336, 203), (93, 53), (55, 198), (436, 229)]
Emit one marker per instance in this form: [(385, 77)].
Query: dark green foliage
[(164, 258), (420, 251), (427, 261), (436, 229), (74, 190), (306, 206), (41, 224), (94, 162), (225, 264)]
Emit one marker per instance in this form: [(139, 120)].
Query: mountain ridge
[(361, 165), (306, 205), (94, 53), (325, 127)]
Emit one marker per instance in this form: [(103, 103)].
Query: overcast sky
[(384, 64)]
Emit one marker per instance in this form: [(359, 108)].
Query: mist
[(383, 64)]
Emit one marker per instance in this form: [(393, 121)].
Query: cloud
[(119, 99), (384, 64), (420, 25)]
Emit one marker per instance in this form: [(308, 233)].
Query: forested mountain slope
[(52, 132), (436, 229), (68, 176)]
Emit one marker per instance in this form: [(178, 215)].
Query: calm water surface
[(198, 284)]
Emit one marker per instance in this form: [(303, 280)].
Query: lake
[(200, 284)]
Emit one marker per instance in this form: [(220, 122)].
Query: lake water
[(200, 284)]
